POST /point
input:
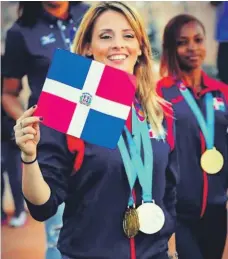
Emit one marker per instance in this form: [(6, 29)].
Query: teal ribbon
[(132, 160), (206, 126)]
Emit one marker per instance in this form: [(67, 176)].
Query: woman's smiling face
[(191, 49), (114, 42)]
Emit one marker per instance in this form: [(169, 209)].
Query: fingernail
[(41, 118), (34, 106)]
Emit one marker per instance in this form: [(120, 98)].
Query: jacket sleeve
[(170, 198), (172, 170), (172, 179), (56, 163), (225, 93), (172, 174), (16, 57)]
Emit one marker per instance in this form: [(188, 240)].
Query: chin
[(195, 64), (191, 66), (120, 67)]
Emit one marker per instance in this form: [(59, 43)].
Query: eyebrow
[(110, 30), (185, 37)]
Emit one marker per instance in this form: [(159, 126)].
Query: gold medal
[(212, 161), (131, 222)]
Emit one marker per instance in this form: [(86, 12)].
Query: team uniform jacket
[(196, 189), (96, 196)]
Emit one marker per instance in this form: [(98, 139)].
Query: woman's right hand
[(27, 133)]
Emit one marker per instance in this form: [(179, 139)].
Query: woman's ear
[(139, 53), (88, 50)]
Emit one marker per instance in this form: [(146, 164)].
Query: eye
[(131, 36), (199, 40), (181, 43), (105, 36)]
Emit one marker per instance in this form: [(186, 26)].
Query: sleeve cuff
[(41, 212)]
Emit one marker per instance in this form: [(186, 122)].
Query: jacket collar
[(210, 83)]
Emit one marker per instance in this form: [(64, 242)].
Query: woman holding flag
[(201, 111), (120, 203)]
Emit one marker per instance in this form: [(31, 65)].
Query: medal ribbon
[(133, 164), (207, 126)]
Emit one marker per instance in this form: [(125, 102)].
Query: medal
[(148, 217), (212, 161), (151, 218), (131, 222)]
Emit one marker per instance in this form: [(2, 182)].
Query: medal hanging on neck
[(211, 160), (149, 218), (131, 220)]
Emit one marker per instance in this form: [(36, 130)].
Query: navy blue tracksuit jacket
[(197, 189), (96, 197), (201, 198)]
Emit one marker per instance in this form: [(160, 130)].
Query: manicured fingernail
[(34, 106), (41, 118)]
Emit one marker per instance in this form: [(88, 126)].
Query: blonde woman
[(100, 218)]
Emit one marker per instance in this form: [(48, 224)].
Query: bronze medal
[(131, 222)]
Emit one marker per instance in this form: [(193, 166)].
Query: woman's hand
[(172, 247), (27, 133)]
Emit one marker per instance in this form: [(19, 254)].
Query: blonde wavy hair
[(146, 87)]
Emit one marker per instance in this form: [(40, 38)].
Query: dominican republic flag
[(219, 104), (86, 99)]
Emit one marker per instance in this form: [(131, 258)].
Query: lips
[(117, 57), (193, 58)]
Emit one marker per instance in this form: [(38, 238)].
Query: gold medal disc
[(131, 222), (212, 161)]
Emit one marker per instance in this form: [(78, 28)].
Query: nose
[(118, 42), (192, 45)]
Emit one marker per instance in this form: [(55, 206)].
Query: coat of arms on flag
[(86, 99), (219, 104)]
